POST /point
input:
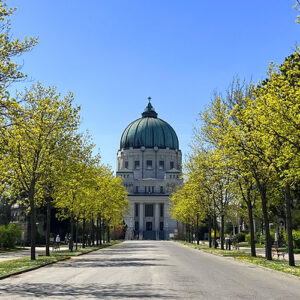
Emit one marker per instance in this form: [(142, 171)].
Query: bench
[(235, 247), (275, 251)]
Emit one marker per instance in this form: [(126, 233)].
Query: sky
[(114, 54)]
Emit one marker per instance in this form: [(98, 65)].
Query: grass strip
[(21, 264), (15, 266), (275, 264)]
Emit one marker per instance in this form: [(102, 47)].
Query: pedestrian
[(57, 241)]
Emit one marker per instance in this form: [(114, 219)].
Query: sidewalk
[(26, 253), (259, 251)]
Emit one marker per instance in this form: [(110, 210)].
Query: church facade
[(149, 162)]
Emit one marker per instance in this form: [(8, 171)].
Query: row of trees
[(45, 161), (246, 156)]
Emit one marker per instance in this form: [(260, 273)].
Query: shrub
[(40, 239), (256, 237), (261, 238), (9, 235), (239, 237), (296, 238)]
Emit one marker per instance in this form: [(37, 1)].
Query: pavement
[(26, 252), (261, 252), (150, 270)]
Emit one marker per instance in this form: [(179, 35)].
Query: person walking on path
[(57, 241)]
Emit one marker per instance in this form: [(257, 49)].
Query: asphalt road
[(150, 270)]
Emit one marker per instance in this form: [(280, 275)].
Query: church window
[(148, 210), (161, 165), (161, 189), (161, 226), (148, 226), (126, 164), (137, 164), (149, 164), (161, 209), (171, 164)]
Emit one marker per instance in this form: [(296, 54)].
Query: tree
[(277, 110), (40, 122), (10, 48), (72, 177), (297, 7)]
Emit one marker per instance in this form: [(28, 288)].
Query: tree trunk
[(251, 226), (263, 195), (222, 231), (215, 230), (108, 233), (97, 232), (76, 233), (248, 200), (92, 233), (103, 231), (209, 231), (32, 227), (100, 230), (48, 220), (289, 225), (83, 234), (71, 242), (197, 229)]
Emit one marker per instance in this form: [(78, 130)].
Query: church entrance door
[(148, 226)]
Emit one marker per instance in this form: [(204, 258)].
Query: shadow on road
[(95, 262), (119, 291)]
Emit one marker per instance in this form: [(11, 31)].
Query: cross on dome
[(149, 110)]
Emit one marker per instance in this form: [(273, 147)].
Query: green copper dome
[(149, 131)]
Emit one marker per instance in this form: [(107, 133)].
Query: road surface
[(150, 270)]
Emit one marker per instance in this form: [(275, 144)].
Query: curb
[(51, 263)]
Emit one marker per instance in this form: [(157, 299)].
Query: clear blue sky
[(114, 54)]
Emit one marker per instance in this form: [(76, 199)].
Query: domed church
[(149, 161)]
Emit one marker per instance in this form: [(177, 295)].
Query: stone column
[(131, 222), (156, 220), (141, 219)]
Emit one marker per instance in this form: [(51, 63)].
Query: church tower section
[(149, 161)]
